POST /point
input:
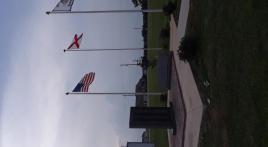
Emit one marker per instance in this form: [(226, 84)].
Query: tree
[(164, 37), (169, 8), (135, 3), (164, 33)]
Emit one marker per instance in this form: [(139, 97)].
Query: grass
[(233, 56), (155, 23)]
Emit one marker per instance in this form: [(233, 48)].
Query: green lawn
[(155, 23), (233, 55)]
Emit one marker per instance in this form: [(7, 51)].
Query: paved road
[(189, 91)]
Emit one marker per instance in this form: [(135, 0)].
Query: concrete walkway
[(189, 91)]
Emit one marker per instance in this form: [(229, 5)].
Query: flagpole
[(106, 11), (118, 93), (127, 64), (112, 49)]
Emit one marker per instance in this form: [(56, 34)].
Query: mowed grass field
[(155, 23), (233, 56)]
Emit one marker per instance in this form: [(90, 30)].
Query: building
[(141, 86)]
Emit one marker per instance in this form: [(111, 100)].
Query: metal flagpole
[(118, 93), (127, 64), (112, 49), (106, 11), (138, 28)]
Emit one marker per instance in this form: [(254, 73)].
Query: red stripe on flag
[(91, 79), (87, 81)]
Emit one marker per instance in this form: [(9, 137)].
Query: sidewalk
[(189, 91)]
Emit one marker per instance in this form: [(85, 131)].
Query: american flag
[(83, 85)]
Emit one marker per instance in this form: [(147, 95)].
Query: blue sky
[(35, 74)]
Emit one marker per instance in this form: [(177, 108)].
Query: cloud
[(35, 111), (32, 100)]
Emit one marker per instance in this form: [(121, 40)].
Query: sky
[(35, 74)]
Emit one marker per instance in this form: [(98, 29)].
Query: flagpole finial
[(47, 12), (67, 93)]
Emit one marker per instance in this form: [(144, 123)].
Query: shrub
[(164, 33), (188, 48), (164, 36)]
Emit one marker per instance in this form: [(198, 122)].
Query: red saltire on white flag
[(76, 42)]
